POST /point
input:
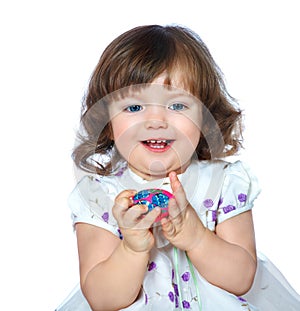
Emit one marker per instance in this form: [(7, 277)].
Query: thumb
[(178, 191)]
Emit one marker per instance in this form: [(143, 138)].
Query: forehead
[(152, 92), (174, 81), (163, 86)]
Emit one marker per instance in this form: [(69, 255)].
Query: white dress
[(217, 190)]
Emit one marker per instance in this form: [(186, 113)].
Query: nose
[(156, 117)]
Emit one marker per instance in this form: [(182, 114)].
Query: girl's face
[(156, 128)]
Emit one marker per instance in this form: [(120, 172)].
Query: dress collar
[(136, 182)]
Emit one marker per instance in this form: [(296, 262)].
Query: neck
[(150, 175)]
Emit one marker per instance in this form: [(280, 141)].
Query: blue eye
[(134, 108), (178, 107)]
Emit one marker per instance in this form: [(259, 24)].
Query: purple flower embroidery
[(228, 208), (242, 197), (152, 265), (186, 276), (171, 296), (186, 304), (242, 299), (146, 299), (105, 216), (208, 203)]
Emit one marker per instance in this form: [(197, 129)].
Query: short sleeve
[(239, 191), (91, 203)]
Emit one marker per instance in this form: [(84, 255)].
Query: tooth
[(160, 141)]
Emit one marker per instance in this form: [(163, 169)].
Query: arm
[(110, 274), (226, 258), (111, 270)]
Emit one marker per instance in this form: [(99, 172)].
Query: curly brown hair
[(139, 56)]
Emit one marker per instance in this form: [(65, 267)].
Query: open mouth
[(157, 144)]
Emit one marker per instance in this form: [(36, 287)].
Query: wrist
[(130, 251), (198, 239)]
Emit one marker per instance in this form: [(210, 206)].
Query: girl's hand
[(182, 228), (134, 225)]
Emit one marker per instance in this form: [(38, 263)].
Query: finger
[(178, 191), (168, 227), (126, 194), (148, 220), (135, 212), (173, 209), (175, 182), (122, 202)]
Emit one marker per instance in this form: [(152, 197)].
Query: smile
[(157, 145)]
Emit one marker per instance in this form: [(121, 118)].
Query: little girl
[(157, 115)]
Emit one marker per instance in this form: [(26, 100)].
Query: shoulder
[(239, 175), (240, 169), (90, 186), (92, 199), (221, 189), (92, 183), (239, 190), (237, 170)]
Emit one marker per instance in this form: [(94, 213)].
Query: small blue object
[(152, 198)]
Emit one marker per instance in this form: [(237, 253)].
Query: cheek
[(191, 139), (124, 136), (195, 136), (195, 130), (117, 130), (187, 143), (124, 126), (120, 128), (190, 131)]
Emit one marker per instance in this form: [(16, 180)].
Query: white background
[(48, 51)]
